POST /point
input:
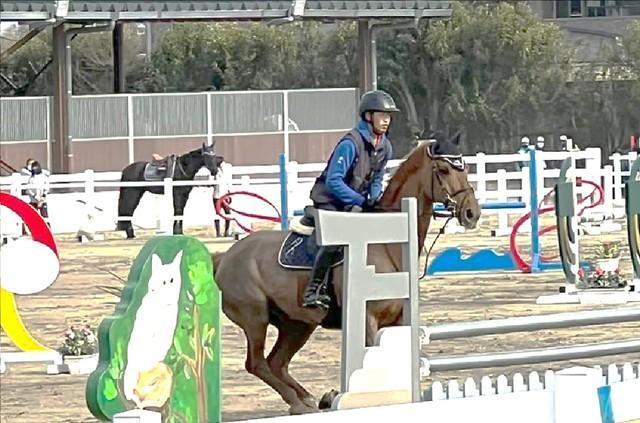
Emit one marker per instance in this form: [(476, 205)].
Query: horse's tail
[(128, 197), (123, 209), (217, 258)]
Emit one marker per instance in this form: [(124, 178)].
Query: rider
[(26, 170), (524, 149), (39, 181), (352, 180)]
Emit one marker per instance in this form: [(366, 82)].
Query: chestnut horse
[(257, 291)]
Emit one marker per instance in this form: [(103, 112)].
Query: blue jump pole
[(535, 224), (284, 193)]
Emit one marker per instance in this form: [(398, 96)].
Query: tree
[(25, 72), (494, 71), (630, 50), (606, 96), (28, 71), (231, 56)]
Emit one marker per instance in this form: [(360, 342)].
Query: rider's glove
[(370, 204)]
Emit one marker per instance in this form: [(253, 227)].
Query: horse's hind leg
[(292, 335), (180, 197), (255, 329), (127, 203)]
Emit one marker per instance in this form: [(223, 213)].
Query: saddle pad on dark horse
[(154, 172), (299, 252), (157, 170)]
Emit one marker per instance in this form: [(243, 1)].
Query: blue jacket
[(336, 177)]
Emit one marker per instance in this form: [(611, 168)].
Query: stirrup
[(319, 298), (316, 302)]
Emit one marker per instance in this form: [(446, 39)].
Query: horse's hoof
[(309, 401), (327, 399), (302, 408)]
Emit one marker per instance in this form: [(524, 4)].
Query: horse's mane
[(413, 162), (195, 152), (191, 154)]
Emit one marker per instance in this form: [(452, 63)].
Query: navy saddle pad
[(299, 252)]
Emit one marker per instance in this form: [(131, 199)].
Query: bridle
[(208, 152), (203, 152), (450, 202), (457, 163)]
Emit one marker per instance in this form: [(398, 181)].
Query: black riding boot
[(130, 234), (316, 293)]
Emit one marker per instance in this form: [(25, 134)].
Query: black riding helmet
[(36, 168), (377, 101)]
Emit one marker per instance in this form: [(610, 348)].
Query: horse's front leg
[(372, 327)]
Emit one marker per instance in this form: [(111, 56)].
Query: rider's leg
[(227, 222), (44, 212), (316, 292), (307, 218)]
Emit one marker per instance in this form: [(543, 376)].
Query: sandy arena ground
[(28, 395)]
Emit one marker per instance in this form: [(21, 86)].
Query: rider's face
[(380, 121)]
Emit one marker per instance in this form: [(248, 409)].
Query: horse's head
[(210, 160), (447, 180)]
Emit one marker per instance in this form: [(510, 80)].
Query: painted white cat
[(155, 323)]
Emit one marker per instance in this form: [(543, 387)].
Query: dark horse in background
[(180, 168)]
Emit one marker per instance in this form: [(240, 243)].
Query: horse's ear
[(213, 143), (457, 138)]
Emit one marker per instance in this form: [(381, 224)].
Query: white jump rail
[(100, 189), (394, 351)]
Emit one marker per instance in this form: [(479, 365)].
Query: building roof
[(93, 10)]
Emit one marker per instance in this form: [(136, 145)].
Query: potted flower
[(79, 350), (608, 256), (600, 278)]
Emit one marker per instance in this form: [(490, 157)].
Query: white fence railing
[(74, 198)]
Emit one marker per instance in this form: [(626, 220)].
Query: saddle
[(158, 169), (298, 252), (299, 248)]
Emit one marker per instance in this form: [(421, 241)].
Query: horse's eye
[(443, 170)]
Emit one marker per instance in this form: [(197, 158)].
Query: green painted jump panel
[(160, 350)]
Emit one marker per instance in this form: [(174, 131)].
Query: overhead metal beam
[(60, 142), (62, 148), (22, 41), (78, 10), (367, 49), (119, 72), (365, 57), (9, 82)]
